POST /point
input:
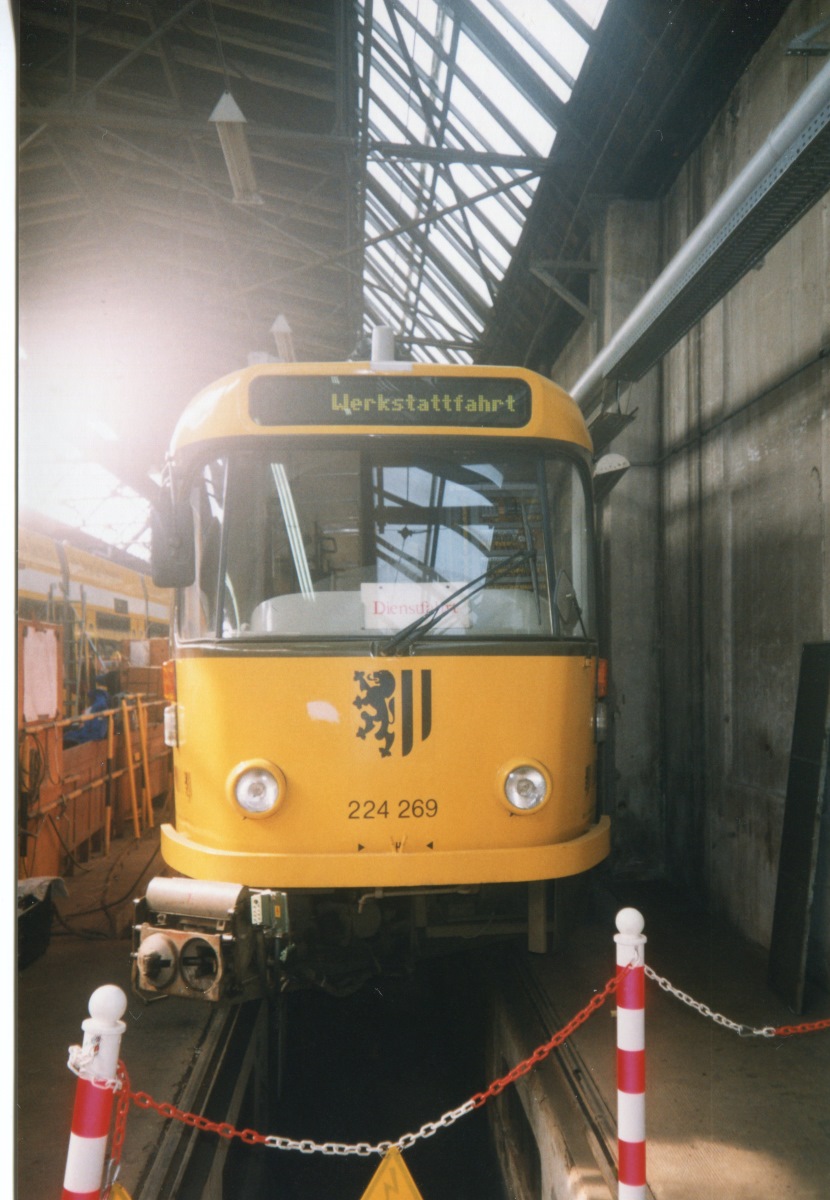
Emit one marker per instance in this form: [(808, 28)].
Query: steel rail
[(188, 1164), (598, 1119)]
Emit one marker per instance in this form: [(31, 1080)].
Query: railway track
[(338, 1070), (229, 1083), (582, 1112), (367, 1067)]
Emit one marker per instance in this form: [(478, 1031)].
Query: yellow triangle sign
[(392, 1180), (117, 1192)]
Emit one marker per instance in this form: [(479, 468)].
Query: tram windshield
[(395, 540)]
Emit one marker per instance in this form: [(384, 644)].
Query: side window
[(258, 536), (573, 579), (198, 615)]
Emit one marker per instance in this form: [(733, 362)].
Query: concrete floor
[(727, 1117), (52, 997)]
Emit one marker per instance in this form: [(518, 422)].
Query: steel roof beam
[(406, 226), (447, 296), (422, 239), (436, 123), (416, 153), (438, 343), (549, 280), (124, 62), (171, 126), (460, 242), (120, 38), (503, 56), (525, 32), (481, 96), (244, 212), (483, 174), (268, 47), (483, 164), (447, 155), (574, 19)]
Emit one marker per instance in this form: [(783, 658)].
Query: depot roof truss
[(395, 145), (448, 173), (429, 117)]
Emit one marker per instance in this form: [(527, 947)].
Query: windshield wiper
[(422, 625)]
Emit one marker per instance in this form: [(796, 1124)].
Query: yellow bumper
[(424, 868)]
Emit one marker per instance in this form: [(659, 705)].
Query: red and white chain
[(306, 1146), (81, 1062), (365, 1149), (768, 1031)]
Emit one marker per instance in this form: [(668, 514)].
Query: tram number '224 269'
[(371, 810)]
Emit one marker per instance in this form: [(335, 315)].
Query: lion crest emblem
[(376, 704)]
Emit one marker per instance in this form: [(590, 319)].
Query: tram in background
[(384, 698), (100, 597)]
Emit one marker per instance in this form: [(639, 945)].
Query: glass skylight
[(463, 97), (460, 111), (85, 495)]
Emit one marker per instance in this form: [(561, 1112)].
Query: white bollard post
[(97, 1060), (631, 1047)]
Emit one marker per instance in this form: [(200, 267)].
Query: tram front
[(385, 656)]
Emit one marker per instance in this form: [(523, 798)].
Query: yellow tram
[(383, 697)]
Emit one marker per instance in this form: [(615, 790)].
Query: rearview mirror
[(608, 472), (172, 554)]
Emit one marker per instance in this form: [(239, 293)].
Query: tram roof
[(392, 398)]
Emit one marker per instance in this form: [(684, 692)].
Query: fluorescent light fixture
[(283, 336), (230, 125)]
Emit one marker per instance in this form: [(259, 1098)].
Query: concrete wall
[(744, 508), (631, 564), (715, 543)]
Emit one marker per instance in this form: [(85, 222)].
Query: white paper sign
[(393, 606), (40, 675)]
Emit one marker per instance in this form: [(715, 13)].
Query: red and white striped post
[(96, 1063), (631, 1057)]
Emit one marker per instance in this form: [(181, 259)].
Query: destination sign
[(477, 401)]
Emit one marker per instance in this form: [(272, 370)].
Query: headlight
[(257, 788), (526, 788)]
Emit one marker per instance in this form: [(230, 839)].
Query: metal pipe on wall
[(779, 149)]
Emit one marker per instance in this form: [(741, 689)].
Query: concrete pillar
[(630, 548)]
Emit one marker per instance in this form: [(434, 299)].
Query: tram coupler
[(207, 941)]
